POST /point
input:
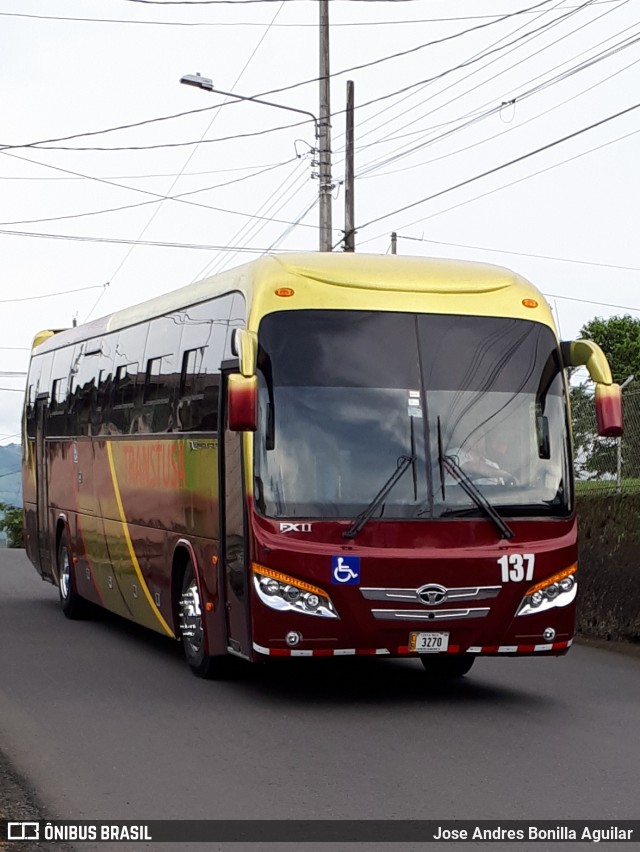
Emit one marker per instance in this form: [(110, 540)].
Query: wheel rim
[(191, 618), (65, 574)]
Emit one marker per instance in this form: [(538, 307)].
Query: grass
[(607, 486)]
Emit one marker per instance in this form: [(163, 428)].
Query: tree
[(11, 522), (619, 339)]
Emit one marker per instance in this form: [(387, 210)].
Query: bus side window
[(124, 392), (101, 414), (204, 336), (58, 419), (156, 397), (199, 389), (161, 374)]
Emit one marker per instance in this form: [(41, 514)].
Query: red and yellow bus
[(316, 455)]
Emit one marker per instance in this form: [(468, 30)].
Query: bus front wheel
[(192, 629), (447, 665), (73, 606)]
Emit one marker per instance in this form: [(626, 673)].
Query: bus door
[(42, 491), (233, 533)]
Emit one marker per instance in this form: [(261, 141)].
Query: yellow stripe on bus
[(132, 553)]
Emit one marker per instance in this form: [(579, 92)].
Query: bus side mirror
[(242, 403), (609, 410), (544, 443), (244, 344), (577, 353)]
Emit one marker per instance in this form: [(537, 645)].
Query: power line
[(491, 108), (116, 241), (503, 165), (411, 21), (233, 138), (154, 195), (372, 169), (108, 129), (51, 295), (263, 166), (46, 144), (520, 253), (590, 302), (517, 180), (158, 200)]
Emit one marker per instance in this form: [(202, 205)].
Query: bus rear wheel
[(73, 606), (192, 629), (447, 665)]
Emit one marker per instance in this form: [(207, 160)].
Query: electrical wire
[(376, 165), (337, 24), (516, 181), (491, 108), (45, 144), (192, 153), (51, 295), (157, 200), (122, 241), (373, 169), (509, 163), (270, 207), (520, 253)]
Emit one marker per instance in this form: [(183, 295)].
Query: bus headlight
[(559, 590), (285, 593)]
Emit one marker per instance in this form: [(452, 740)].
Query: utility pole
[(349, 206), (394, 243), (324, 152)]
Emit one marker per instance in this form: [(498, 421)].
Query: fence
[(605, 465)]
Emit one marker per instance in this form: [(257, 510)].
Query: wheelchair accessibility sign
[(345, 570)]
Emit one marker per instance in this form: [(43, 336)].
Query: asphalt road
[(105, 721)]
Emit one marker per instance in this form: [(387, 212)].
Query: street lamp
[(324, 188)]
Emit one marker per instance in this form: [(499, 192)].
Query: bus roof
[(340, 280)]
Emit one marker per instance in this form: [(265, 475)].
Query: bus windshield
[(345, 396)]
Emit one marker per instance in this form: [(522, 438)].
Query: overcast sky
[(445, 91)]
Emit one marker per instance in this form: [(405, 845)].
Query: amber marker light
[(530, 303), (214, 560), (285, 292), (208, 606)]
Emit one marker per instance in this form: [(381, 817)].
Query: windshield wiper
[(404, 462), (452, 467)]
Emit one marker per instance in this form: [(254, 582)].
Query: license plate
[(428, 643)]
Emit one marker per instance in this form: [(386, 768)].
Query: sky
[(503, 131)]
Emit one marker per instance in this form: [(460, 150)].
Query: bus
[(316, 455)]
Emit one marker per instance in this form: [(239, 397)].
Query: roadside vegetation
[(11, 523)]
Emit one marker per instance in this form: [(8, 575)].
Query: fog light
[(293, 638), (549, 634)]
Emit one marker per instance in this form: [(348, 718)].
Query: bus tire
[(73, 606), (192, 629), (446, 666)]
